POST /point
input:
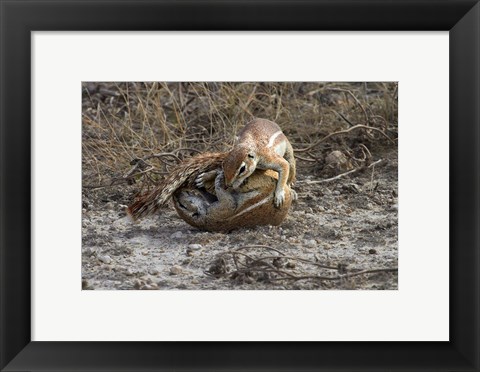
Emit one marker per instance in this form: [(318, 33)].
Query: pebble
[(175, 270), (149, 287), (177, 235), (310, 243), (89, 251), (194, 247), (154, 271), (291, 265), (105, 259), (137, 284)]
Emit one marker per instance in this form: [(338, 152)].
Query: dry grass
[(127, 121)]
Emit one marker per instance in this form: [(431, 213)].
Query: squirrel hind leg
[(290, 158)]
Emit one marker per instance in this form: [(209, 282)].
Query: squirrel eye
[(242, 169), (251, 156)]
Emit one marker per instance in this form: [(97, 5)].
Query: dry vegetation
[(342, 232)]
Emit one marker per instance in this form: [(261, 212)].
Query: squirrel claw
[(294, 194), (199, 182), (279, 199)]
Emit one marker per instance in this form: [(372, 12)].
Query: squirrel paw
[(204, 178), (294, 194), (279, 198)]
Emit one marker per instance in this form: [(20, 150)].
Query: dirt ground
[(338, 228)]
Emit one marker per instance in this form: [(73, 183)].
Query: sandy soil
[(348, 225)]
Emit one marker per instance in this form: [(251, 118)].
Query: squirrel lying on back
[(221, 209)]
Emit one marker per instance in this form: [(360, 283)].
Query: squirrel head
[(238, 165)]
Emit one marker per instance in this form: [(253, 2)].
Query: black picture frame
[(19, 18)]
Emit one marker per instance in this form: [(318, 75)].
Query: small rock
[(175, 270), (154, 271), (372, 251), (310, 243), (337, 162), (105, 259), (138, 284), (194, 247), (351, 187), (149, 287), (177, 235), (89, 251), (110, 205), (291, 265)]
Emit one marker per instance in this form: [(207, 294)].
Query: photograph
[(239, 185)]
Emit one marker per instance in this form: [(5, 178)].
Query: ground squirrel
[(261, 145), (224, 209)]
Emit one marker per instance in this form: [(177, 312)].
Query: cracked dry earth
[(349, 224)]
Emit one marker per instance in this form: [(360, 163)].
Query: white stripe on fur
[(273, 138)]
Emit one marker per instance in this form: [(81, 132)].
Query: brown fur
[(231, 210), (184, 175), (254, 150)]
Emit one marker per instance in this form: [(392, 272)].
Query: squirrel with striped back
[(261, 145)]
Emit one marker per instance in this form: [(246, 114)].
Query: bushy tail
[(183, 175)]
